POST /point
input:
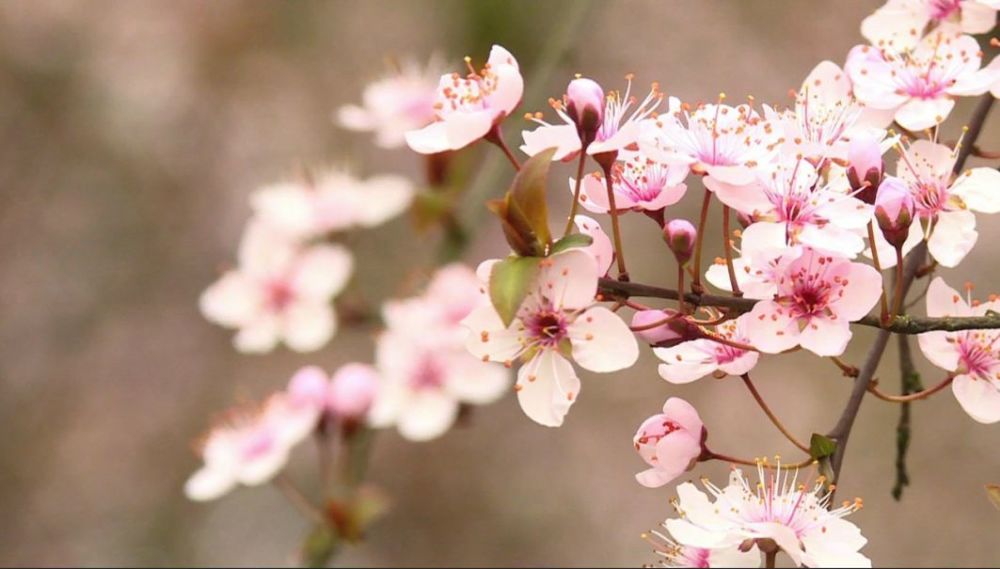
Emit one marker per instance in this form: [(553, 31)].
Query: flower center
[(279, 295), (546, 328), (428, 374), (943, 9), (977, 355)]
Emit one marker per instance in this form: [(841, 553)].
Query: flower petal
[(602, 342)]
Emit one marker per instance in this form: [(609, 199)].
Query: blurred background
[(132, 134)]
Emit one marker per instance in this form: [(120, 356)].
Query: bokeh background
[(132, 133)]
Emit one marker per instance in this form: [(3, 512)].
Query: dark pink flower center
[(428, 374), (546, 328), (279, 295)]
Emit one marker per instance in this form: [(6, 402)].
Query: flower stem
[(681, 307), (728, 244), (924, 394), (576, 193), (712, 455), (770, 559), (770, 414), (615, 229), (897, 298), (884, 301), (295, 496), (702, 220), (495, 135)]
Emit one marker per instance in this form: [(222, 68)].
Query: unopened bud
[(308, 387), (680, 236), (352, 391), (585, 105), (866, 167), (657, 334), (894, 210)]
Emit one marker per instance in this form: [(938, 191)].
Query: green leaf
[(320, 546), (520, 237), (821, 447), (527, 194), (509, 284), (570, 241)]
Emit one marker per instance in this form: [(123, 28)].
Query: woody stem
[(728, 244), (770, 414), (699, 240), (883, 301), (576, 193)]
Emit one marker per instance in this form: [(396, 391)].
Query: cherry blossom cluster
[(820, 218), (819, 199)]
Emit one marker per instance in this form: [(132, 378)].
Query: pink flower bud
[(660, 334), (894, 210), (352, 391), (585, 105), (680, 236), (865, 170), (670, 443), (308, 387)]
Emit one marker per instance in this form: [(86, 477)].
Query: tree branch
[(902, 324)]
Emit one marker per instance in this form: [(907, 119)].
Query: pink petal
[(980, 398), (602, 342), (547, 387), (771, 329)]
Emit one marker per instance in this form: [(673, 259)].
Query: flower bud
[(670, 443), (352, 391), (585, 105), (894, 211), (680, 236), (866, 167), (308, 387), (662, 334)]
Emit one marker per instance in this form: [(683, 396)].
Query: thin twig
[(770, 414)]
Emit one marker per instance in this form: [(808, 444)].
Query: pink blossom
[(793, 195), (797, 516), (426, 373), (333, 201), (945, 202), (619, 129), (638, 182), (466, 109), (694, 359), (252, 444), (866, 167), (817, 298), (899, 23), (279, 292), (722, 142), (585, 105), (670, 443), (972, 355), (919, 86), (557, 319), (764, 258), (399, 102), (826, 117)]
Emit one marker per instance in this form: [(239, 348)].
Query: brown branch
[(901, 324)]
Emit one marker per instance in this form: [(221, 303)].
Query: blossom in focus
[(673, 554), (426, 373), (945, 202), (280, 292), (900, 24), (818, 296), (826, 117), (399, 102), (557, 321), (638, 183), (694, 359), (722, 142), (619, 129), (669, 442), (920, 85), (252, 444), (467, 108), (973, 356), (764, 258), (334, 201), (792, 195), (795, 515)]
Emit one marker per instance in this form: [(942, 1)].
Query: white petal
[(569, 279), (322, 271), (979, 188), (919, 114), (308, 326), (602, 342), (562, 137), (475, 381), (980, 398), (488, 338), (259, 336), (953, 237), (771, 330), (428, 415), (547, 387), (232, 301), (208, 484), (825, 337)]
